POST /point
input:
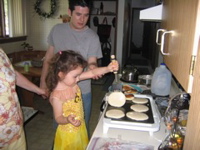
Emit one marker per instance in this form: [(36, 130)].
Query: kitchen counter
[(144, 137), (130, 135)]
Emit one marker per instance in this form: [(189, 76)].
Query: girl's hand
[(113, 66), (73, 120)]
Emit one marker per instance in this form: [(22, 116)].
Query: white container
[(161, 81)]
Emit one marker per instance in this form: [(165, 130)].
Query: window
[(12, 20), (4, 31)]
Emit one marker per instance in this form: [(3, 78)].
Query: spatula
[(116, 86)]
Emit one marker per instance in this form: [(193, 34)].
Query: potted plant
[(27, 46)]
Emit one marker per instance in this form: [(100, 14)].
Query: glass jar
[(26, 67)]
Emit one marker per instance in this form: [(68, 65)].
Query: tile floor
[(39, 130)]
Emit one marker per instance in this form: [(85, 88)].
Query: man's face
[(79, 17)]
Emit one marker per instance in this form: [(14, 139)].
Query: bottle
[(101, 8), (26, 67), (161, 81), (174, 140)]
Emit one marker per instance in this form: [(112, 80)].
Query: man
[(77, 36)]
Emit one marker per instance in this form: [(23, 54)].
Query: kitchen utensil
[(130, 73), (116, 84), (145, 80), (37, 62)]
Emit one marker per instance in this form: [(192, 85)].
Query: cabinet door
[(180, 16)]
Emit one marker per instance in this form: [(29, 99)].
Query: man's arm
[(49, 54)]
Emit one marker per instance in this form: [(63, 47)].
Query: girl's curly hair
[(63, 61)]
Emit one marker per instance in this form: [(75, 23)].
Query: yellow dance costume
[(69, 137)]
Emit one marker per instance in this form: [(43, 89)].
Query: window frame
[(2, 20)]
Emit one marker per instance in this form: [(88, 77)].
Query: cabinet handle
[(163, 41), (157, 35)]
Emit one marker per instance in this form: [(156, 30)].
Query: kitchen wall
[(37, 27)]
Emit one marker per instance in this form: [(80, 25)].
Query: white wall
[(38, 27), (11, 47)]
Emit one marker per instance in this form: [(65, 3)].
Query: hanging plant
[(41, 13)]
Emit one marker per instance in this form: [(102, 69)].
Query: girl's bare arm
[(99, 71)]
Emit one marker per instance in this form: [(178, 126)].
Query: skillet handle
[(103, 105)]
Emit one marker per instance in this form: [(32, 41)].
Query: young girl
[(66, 69)]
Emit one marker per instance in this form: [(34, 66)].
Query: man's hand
[(49, 54), (113, 66)]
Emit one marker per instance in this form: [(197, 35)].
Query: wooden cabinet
[(193, 129), (26, 55), (25, 96), (181, 17)]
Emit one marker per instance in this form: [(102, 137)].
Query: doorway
[(143, 39), (137, 28)]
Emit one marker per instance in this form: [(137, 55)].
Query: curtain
[(17, 26)]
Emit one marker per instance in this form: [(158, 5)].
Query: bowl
[(145, 80), (36, 62)]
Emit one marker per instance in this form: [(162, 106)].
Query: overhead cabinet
[(178, 38)]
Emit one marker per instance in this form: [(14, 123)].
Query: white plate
[(22, 63)]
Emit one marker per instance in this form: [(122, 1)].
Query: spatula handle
[(115, 72), (113, 59)]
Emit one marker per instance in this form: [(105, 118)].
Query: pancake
[(115, 113), (129, 96), (139, 108), (131, 91), (140, 100), (116, 99), (126, 87), (137, 116)]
